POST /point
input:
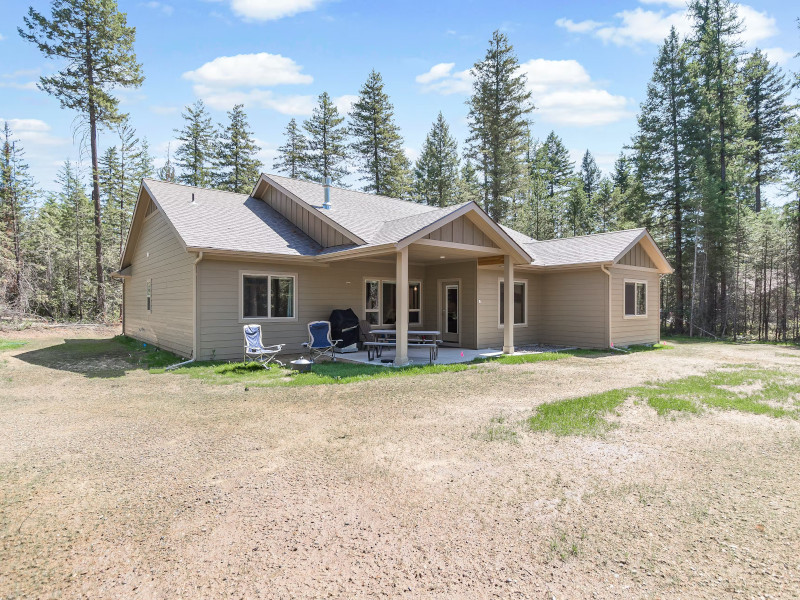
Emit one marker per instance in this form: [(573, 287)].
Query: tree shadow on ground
[(105, 358)]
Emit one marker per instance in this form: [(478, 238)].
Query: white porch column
[(508, 309), (401, 318)]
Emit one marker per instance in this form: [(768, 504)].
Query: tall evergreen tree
[(765, 91), (238, 167), (605, 204), (167, 171), (590, 176), (376, 140), (436, 171), (553, 167), (327, 137), (93, 38), (498, 123), (16, 199), (469, 187), (664, 150), (578, 213), (715, 45), (195, 155), (293, 155)]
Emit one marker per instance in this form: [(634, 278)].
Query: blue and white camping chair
[(319, 340), (256, 351)]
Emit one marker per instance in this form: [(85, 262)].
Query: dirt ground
[(162, 486)]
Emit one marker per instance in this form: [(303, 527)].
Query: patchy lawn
[(676, 475)]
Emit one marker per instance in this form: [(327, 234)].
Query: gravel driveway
[(161, 486)]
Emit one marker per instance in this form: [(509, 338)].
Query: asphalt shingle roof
[(600, 247), (228, 221)]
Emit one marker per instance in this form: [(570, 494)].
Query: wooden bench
[(375, 349)]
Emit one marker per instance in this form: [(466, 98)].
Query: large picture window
[(380, 302), (635, 299), (268, 296), (520, 294)]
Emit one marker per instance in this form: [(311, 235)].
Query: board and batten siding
[(490, 334), (466, 274), (461, 231), (319, 290), (310, 224), (637, 257), (573, 308), (634, 330), (160, 257)]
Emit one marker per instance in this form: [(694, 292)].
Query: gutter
[(608, 321), (194, 316)]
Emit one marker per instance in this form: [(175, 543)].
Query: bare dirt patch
[(138, 485)]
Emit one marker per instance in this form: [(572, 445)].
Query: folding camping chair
[(256, 351), (319, 340)]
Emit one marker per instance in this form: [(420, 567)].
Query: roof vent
[(327, 204), (192, 197)]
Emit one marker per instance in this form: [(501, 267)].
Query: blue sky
[(587, 64)]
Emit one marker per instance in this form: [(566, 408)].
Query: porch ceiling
[(427, 253)]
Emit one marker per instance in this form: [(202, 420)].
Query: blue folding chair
[(319, 340), (256, 351)]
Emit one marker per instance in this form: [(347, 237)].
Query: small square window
[(635, 299)]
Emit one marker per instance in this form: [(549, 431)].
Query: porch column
[(508, 309), (401, 317)]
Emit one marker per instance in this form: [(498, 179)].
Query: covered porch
[(447, 355)]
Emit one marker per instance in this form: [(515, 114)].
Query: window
[(268, 296), (635, 299), (520, 294), (149, 295), (380, 302)]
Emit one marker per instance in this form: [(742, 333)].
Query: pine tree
[(327, 136), (715, 45), (498, 123), (195, 155), (664, 152), (93, 38), (606, 205), (293, 155), (436, 171), (16, 198), (167, 171), (376, 140), (238, 169), (553, 167), (578, 213), (765, 91), (590, 176), (469, 188)]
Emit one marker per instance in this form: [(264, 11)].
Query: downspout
[(194, 316), (608, 306)]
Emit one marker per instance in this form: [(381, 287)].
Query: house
[(200, 263)]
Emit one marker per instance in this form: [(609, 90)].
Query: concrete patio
[(447, 355)]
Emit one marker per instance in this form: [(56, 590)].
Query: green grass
[(770, 392), (10, 345), (147, 355)]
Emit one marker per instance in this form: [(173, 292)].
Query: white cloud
[(270, 10), (262, 69), (412, 154), (563, 91), (221, 99), (166, 9), (778, 55), (2, 37), (345, 103), (579, 27), (442, 80), (33, 132), (638, 25), (16, 85)]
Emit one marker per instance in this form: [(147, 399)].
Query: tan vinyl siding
[(634, 330), (322, 233), (490, 335), (637, 257), (319, 290), (169, 325), (573, 308), (461, 231), (466, 272)]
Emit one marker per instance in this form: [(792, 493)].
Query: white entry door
[(450, 311)]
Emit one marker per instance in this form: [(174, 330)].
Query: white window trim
[(381, 281), (250, 273), (524, 283), (646, 302), (148, 295)]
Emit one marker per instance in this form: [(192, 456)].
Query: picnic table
[(387, 338)]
